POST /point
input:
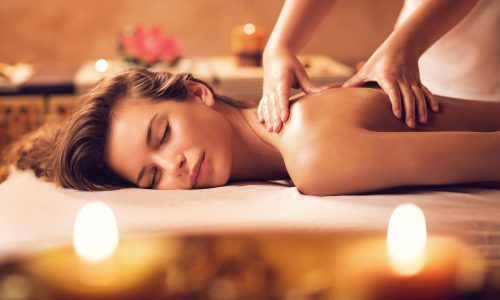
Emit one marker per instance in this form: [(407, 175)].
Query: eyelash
[(165, 135), (152, 185)]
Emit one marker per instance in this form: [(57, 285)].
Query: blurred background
[(69, 32), (49, 48)]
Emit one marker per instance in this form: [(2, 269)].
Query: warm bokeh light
[(95, 235), (249, 28), (101, 65), (406, 239)]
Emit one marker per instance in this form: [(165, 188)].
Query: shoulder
[(325, 115), (338, 101), (323, 130)]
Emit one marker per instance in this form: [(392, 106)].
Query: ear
[(200, 92)]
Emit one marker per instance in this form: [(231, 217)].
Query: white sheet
[(36, 214)]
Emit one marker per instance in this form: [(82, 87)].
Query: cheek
[(208, 132), (204, 128), (213, 135)]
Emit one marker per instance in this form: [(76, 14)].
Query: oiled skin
[(344, 141)]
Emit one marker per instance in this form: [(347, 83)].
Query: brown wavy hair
[(72, 153)]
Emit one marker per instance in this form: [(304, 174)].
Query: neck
[(254, 156)]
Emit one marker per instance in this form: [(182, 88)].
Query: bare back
[(340, 135), (370, 109)]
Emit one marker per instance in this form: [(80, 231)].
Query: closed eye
[(165, 134), (153, 180)]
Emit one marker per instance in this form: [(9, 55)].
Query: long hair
[(32, 151), (72, 154)]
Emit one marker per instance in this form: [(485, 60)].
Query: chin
[(220, 179), (221, 175)]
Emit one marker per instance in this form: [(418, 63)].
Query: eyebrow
[(148, 143)]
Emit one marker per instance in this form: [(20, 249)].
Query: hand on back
[(396, 72), (282, 71)]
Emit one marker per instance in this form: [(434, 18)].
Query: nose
[(172, 164)]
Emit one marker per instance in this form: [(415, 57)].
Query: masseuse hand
[(282, 71), (396, 72)]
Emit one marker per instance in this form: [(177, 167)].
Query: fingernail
[(435, 108), (398, 113), (411, 123), (275, 125), (282, 115), (423, 120), (269, 127)]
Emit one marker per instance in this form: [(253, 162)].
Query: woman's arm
[(361, 161), (344, 141), (297, 22), (394, 65), (282, 70), (428, 23)]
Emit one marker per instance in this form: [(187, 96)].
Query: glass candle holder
[(247, 45)]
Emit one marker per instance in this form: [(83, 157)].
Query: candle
[(247, 44), (101, 65), (406, 239), (405, 265), (409, 265), (98, 264)]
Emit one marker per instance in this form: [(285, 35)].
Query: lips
[(196, 171)]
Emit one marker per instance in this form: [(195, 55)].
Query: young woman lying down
[(171, 131)]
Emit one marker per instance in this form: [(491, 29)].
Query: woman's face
[(172, 144)]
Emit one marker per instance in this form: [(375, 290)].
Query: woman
[(166, 131)]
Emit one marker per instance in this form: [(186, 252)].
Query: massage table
[(35, 214)]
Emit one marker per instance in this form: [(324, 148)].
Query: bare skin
[(393, 65), (337, 141), (347, 141)]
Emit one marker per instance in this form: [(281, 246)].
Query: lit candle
[(101, 65), (247, 44), (95, 239), (405, 265), (408, 265), (99, 265), (406, 239)]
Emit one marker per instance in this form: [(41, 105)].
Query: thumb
[(355, 80), (305, 83)]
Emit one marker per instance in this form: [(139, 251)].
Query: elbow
[(315, 187), (311, 191), (312, 177)]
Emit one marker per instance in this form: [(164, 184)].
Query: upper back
[(334, 111)]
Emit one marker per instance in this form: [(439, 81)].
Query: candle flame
[(95, 235), (249, 28), (406, 239), (101, 65)]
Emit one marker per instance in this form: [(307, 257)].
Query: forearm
[(297, 21), (429, 22), (431, 158)]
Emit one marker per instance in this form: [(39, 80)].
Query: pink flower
[(148, 45)]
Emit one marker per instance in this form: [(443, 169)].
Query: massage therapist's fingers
[(282, 109), (304, 82), (409, 104), (275, 113), (283, 99), (266, 113), (270, 112), (420, 103), (430, 98), (392, 90), (260, 109), (355, 80)]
